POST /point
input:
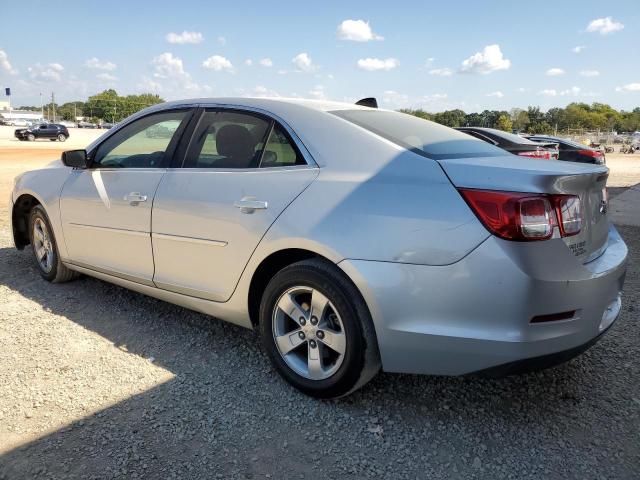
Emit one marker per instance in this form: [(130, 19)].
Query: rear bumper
[(476, 313)]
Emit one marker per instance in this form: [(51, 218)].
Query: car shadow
[(225, 409)]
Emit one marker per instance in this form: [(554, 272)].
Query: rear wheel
[(317, 330), (61, 138), (45, 248)]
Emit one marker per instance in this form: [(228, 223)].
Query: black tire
[(58, 272), (361, 361), (62, 138), (31, 137), (52, 139)]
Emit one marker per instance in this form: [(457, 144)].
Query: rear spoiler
[(368, 102)]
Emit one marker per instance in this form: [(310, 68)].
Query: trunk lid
[(520, 174)]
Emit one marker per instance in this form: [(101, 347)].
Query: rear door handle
[(250, 205), (134, 198)]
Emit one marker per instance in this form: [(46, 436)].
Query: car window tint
[(279, 152), (423, 137), (141, 144), (227, 140)]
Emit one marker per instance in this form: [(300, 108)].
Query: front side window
[(141, 144), (423, 137)]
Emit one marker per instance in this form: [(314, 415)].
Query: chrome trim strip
[(180, 238), (119, 230)]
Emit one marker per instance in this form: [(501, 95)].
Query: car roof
[(268, 103)]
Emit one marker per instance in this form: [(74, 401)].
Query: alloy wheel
[(309, 333), (42, 246)]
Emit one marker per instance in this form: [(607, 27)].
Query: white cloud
[(573, 91), (248, 62), (258, 91), (589, 73), (487, 61), (184, 37), (521, 89), (5, 65), (96, 64), (218, 63), (266, 62), (395, 100), (50, 72), (554, 72), (373, 64), (442, 72), (357, 31), (604, 26), (303, 63), (497, 94), (578, 49), (107, 77), (629, 87), (429, 61), (221, 40), (172, 78), (281, 72), (318, 92)]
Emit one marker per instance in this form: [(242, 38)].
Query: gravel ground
[(101, 382)]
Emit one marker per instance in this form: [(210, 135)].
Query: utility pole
[(113, 120), (41, 107), (74, 111), (53, 106)]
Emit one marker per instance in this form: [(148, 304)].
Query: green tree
[(504, 123)]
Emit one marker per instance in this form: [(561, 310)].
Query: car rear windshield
[(566, 142), (423, 137)]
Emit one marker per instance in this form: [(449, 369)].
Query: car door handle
[(134, 198), (250, 205)]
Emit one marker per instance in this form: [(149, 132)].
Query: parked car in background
[(16, 122), (87, 125), (68, 124), (511, 143), (572, 151), (107, 125), (50, 131), (351, 238)]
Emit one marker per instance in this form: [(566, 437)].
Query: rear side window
[(279, 152), (423, 137), (227, 140)]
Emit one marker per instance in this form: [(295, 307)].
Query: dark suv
[(52, 131)]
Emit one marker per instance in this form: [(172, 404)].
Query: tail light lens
[(540, 153), (596, 154), (525, 216)]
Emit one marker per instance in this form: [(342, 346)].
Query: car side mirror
[(75, 158)]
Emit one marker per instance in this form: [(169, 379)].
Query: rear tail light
[(539, 153), (591, 153), (525, 216)]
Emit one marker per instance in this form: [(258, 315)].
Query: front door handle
[(250, 205), (134, 198)]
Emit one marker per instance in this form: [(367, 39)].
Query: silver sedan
[(352, 238)]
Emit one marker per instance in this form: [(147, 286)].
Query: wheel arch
[(20, 218)]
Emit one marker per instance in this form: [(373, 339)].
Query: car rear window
[(566, 142), (423, 137)]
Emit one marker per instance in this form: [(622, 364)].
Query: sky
[(433, 55)]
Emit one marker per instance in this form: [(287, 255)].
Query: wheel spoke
[(314, 363), (318, 304), (336, 341), (289, 341), (37, 234), (291, 308), (40, 252)]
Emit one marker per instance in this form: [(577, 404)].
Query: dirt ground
[(100, 382)]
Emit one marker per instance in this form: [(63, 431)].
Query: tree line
[(575, 116), (106, 106)]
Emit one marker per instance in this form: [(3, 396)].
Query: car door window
[(141, 144), (279, 151), (227, 140)]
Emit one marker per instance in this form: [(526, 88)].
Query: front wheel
[(31, 137), (45, 248), (317, 330)]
